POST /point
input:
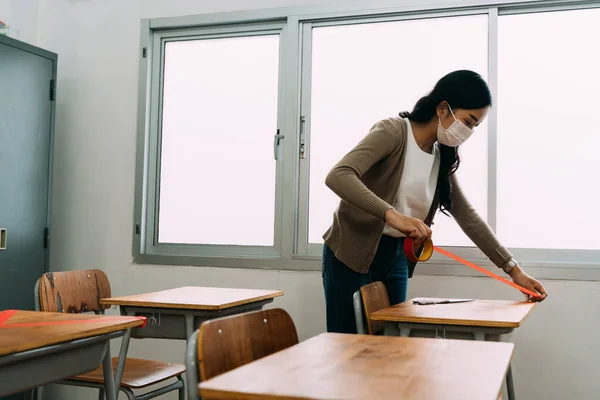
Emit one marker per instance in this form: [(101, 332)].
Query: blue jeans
[(340, 282)]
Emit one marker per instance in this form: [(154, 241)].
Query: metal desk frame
[(29, 369), (179, 323)]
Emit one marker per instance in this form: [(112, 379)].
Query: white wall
[(22, 17), (97, 42)]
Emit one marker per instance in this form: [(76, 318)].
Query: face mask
[(455, 134)]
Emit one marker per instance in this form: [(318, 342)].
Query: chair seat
[(137, 373)]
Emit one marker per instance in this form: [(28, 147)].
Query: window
[(363, 73), (217, 181), (242, 116), (548, 135), (214, 111)]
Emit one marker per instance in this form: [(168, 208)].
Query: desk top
[(27, 330), (338, 366), (482, 313), (195, 298)]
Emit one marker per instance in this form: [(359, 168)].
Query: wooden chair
[(370, 298), (223, 344), (81, 291)]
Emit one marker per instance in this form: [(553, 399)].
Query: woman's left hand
[(521, 278)]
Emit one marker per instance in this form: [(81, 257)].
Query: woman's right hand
[(411, 227)]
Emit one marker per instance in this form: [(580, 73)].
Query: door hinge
[(52, 90), (276, 141), (144, 52), (46, 237), (302, 137)]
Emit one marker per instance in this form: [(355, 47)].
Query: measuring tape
[(411, 252), (428, 249)]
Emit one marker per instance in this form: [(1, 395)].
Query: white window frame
[(150, 245), (291, 249), (306, 249)]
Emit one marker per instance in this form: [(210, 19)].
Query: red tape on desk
[(6, 315), (409, 243)]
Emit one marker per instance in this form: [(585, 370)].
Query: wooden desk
[(478, 313), (37, 348), (176, 313), (483, 320), (337, 366)]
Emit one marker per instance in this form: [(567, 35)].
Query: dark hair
[(461, 89)]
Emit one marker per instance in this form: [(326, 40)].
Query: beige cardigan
[(367, 181)]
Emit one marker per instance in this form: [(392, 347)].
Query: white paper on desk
[(429, 299)]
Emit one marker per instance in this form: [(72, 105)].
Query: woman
[(391, 185)]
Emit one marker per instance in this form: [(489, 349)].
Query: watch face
[(510, 265)]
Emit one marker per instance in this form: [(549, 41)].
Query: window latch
[(276, 141), (302, 137)]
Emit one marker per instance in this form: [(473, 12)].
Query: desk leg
[(121, 362), (189, 326), (109, 382), (510, 389)]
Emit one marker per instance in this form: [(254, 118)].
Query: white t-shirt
[(418, 181)]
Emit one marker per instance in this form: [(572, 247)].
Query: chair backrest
[(374, 297), (230, 342), (73, 291)]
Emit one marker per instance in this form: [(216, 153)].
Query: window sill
[(572, 272)]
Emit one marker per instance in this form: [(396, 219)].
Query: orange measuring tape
[(427, 252)]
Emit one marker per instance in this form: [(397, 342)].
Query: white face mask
[(455, 135)]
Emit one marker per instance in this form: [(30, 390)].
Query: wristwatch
[(510, 265)]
